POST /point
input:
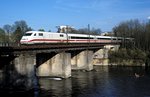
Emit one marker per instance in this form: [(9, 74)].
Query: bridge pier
[(58, 65), (82, 60), (24, 69), (101, 55)]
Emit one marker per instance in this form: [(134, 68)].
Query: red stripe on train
[(69, 40)]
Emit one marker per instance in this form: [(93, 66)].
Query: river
[(103, 81)]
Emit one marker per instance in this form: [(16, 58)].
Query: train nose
[(24, 38)]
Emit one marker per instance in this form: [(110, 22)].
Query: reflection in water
[(101, 82), (55, 88)]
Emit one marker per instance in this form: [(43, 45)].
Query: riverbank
[(129, 57)]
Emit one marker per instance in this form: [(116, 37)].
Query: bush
[(128, 55)]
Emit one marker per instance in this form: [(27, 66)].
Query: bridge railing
[(8, 44)]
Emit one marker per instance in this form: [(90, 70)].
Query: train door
[(35, 37), (41, 38), (62, 38), (94, 38)]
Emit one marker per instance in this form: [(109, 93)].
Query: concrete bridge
[(19, 64)]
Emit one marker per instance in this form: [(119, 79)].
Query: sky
[(47, 14)]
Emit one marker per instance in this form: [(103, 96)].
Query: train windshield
[(27, 34)]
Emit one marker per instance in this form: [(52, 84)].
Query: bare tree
[(22, 24), (137, 30), (8, 29), (2, 35)]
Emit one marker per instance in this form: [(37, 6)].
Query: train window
[(28, 34), (61, 35), (119, 39), (74, 37), (40, 34), (104, 38), (35, 34)]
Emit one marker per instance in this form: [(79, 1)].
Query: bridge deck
[(39, 48)]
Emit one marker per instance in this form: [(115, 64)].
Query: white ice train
[(36, 37)]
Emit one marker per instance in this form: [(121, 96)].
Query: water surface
[(103, 81)]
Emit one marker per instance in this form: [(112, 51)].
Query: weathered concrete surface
[(101, 56), (82, 60), (24, 69), (112, 47), (24, 64), (58, 65)]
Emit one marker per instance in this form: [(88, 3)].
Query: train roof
[(83, 35), (42, 32), (73, 34)]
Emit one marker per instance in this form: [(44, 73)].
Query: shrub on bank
[(127, 57)]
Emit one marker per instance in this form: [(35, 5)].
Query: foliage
[(22, 25), (29, 29), (2, 35), (41, 30), (7, 28), (127, 54), (137, 30), (141, 43), (17, 35), (86, 31), (13, 33)]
